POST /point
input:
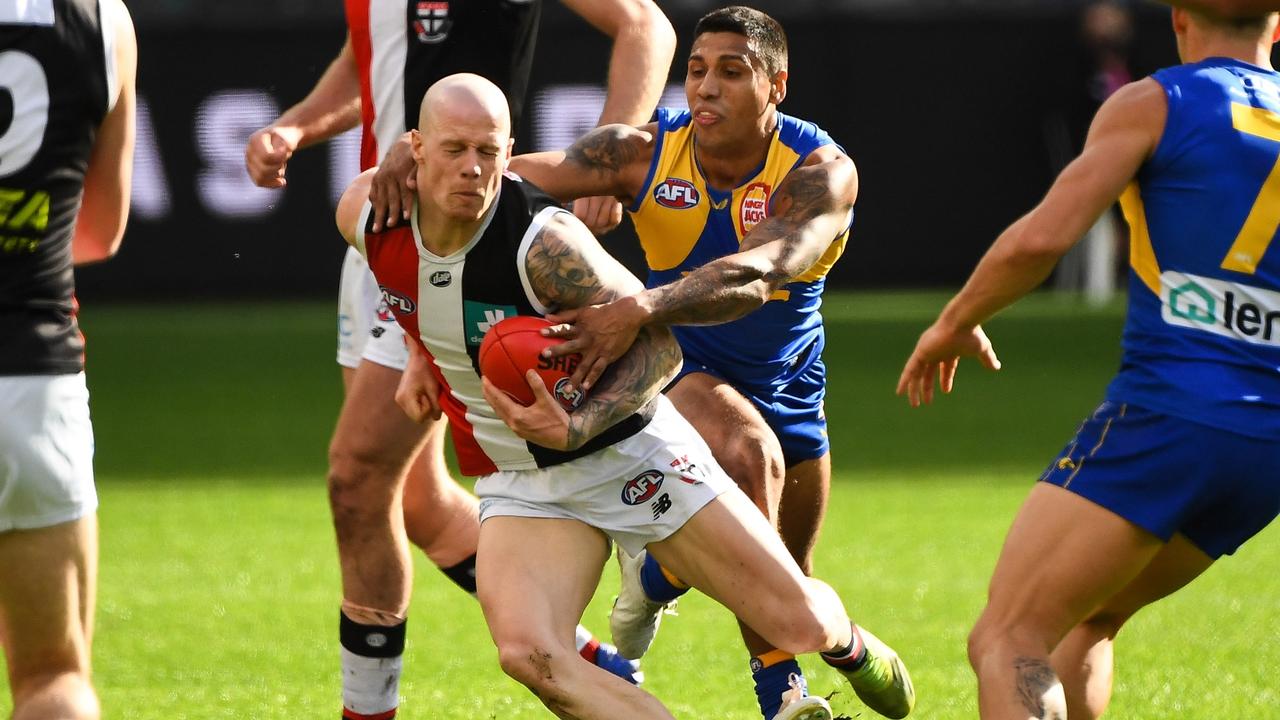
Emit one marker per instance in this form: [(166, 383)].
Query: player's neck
[(1254, 53), (728, 165), (442, 235)]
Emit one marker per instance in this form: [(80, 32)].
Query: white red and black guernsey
[(449, 303), (403, 46), (57, 73)]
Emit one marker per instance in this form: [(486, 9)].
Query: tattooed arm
[(568, 269), (610, 160), (809, 210)]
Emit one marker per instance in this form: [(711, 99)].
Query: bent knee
[(754, 460), (993, 636), (539, 666)]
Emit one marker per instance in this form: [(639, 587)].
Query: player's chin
[(465, 207)]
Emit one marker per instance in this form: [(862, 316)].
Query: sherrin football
[(514, 346)]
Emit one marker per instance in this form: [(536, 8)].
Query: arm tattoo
[(560, 274), (1036, 683), (805, 194), (629, 384), (568, 269), (805, 211), (604, 149)]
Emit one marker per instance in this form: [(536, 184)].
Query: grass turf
[(219, 582)]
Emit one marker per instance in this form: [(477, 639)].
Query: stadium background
[(214, 391), (957, 112)]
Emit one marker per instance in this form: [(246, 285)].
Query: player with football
[(388, 480), (1180, 464), (555, 486), (742, 211)]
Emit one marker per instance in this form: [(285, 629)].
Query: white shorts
[(366, 328), (638, 491), (46, 451)]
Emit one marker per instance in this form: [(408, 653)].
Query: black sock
[(463, 574)]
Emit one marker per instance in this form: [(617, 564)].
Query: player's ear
[(778, 87), (1275, 33), (415, 142)]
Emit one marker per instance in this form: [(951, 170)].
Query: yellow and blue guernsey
[(772, 355), (1202, 341), (1188, 441)]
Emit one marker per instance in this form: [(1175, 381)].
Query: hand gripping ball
[(514, 346)]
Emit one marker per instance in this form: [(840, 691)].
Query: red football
[(514, 346)]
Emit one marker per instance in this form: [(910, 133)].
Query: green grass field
[(219, 587)]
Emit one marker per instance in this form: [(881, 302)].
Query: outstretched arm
[(1124, 134), (611, 160), (567, 268), (809, 210), (332, 107)]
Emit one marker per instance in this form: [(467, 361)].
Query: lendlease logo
[(1223, 308)]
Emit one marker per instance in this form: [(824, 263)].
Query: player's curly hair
[(763, 32)]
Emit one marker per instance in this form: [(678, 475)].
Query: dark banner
[(957, 127)]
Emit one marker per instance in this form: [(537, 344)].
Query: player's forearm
[(780, 249), (333, 105), (1016, 264), (718, 292), (629, 384), (638, 67)]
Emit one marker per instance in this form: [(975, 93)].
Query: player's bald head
[(464, 98)]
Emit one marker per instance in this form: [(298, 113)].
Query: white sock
[(370, 686)]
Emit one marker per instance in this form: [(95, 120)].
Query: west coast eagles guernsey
[(684, 224), (1202, 339), (449, 303)]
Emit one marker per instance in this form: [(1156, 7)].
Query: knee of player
[(357, 480), (754, 460), (65, 693), (996, 635), (532, 663)]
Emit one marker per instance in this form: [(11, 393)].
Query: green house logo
[(479, 317), (1194, 303)]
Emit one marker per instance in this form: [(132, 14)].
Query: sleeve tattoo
[(566, 275), (734, 285), (605, 149)]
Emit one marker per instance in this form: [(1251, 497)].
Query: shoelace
[(798, 690)]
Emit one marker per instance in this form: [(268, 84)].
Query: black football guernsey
[(54, 93)]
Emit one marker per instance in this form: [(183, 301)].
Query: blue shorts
[(1168, 475), (794, 412)]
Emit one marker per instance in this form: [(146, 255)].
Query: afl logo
[(676, 193), (641, 488), (399, 304), (569, 399), (754, 207), (440, 278)]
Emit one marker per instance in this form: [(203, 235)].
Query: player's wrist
[(641, 309)]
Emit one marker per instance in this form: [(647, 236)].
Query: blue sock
[(655, 583), (772, 681)]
